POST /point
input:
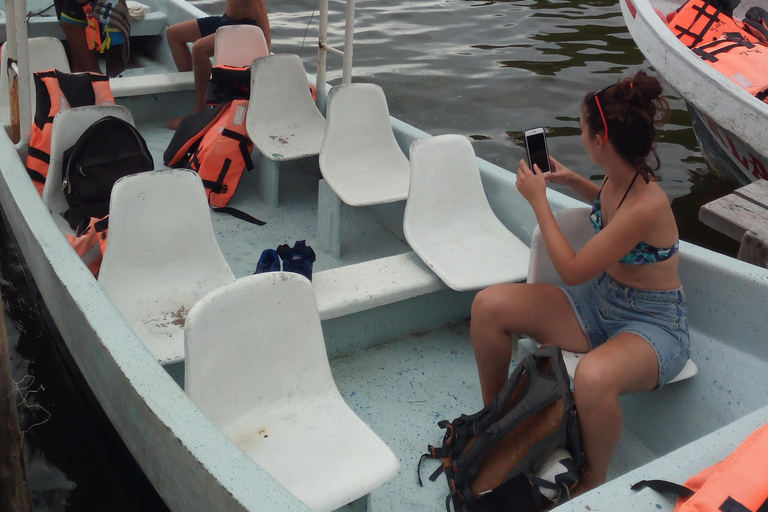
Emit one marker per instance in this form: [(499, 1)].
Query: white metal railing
[(324, 47)]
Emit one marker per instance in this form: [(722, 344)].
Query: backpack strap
[(664, 487), (238, 214)]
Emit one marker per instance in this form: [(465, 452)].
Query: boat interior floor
[(364, 236)]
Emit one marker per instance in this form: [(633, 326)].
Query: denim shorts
[(606, 308)]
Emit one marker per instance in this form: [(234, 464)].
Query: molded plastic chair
[(162, 255), (238, 45), (448, 220), (44, 53), (577, 228), (256, 364), (282, 121), (68, 126), (360, 158)]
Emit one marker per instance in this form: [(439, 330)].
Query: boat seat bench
[(126, 86)]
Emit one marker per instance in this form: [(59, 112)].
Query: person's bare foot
[(173, 124), (587, 483)]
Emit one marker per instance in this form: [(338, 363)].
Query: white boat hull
[(733, 134)]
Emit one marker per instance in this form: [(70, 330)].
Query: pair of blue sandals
[(298, 258)]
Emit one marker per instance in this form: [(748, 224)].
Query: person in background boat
[(623, 302), (73, 23), (201, 33)]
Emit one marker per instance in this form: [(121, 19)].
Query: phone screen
[(537, 151)]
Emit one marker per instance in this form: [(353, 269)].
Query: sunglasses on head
[(600, 108)]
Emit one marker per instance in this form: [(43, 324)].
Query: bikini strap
[(627, 192)]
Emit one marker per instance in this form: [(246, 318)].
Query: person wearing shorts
[(201, 33), (72, 20), (623, 303)]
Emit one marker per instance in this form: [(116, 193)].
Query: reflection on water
[(74, 459), (486, 69)]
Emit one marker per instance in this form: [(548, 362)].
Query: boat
[(728, 122), (396, 335)]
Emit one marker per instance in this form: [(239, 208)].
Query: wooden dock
[(743, 216)]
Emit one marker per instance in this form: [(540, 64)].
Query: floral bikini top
[(642, 253)]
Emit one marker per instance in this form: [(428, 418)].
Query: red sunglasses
[(600, 108)]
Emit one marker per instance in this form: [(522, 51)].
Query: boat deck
[(363, 238)]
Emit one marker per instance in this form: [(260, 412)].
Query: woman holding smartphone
[(623, 302)]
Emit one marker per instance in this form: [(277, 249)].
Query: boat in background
[(730, 124), (396, 335)]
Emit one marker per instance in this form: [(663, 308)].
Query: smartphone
[(536, 148)]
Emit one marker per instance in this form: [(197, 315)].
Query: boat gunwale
[(751, 123)]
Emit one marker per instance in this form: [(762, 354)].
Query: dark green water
[(486, 69)]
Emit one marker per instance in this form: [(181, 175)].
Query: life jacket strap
[(702, 12)]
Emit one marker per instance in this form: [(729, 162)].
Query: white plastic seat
[(238, 45), (256, 364), (282, 121), (577, 228), (360, 159), (44, 53), (162, 255), (68, 126), (449, 223)]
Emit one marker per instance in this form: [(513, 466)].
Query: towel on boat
[(136, 10)]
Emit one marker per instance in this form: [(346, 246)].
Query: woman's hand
[(560, 174), (532, 186)]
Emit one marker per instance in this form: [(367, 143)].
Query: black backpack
[(491, 459), (108, 150)]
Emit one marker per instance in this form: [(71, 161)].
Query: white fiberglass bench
[(44, 53), (238, 45), (576, 226), (256, 364), (162, 255), (449, 223), (68, 126), (282, 121), (360, 159)]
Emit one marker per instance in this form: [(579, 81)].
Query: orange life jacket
[(743, 62), (700, 21), (90, 242), (736, 484), (56, 91), (220, 152)]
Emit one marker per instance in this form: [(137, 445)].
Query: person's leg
[(539, 310), (178, 36), (202, 51), (83, 59), (625, 364)]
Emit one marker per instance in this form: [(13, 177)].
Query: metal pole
[(349, 32), (321, 51)]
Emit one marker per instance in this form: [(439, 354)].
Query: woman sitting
[(623, 302)]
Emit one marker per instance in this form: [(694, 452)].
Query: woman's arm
[(625, 231), (564, 176)]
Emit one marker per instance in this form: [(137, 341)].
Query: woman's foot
[(173, 124)]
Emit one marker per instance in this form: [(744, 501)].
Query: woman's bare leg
[(624, 364), (538, 310)]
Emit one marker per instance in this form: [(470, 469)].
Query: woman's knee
[(591, 383), (493, 302)]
